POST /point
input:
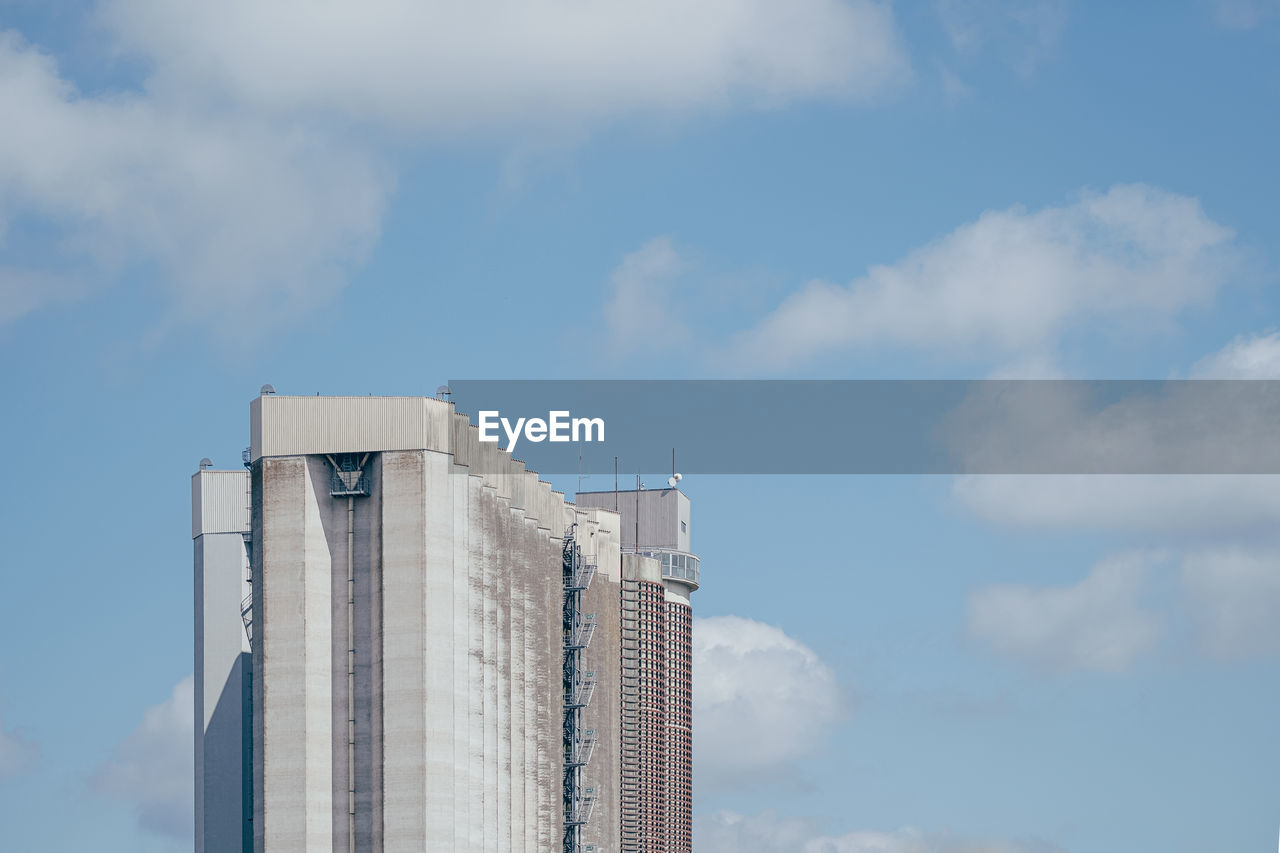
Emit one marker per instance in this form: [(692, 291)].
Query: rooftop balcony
[(677, 566)]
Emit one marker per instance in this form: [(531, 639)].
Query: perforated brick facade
[(679, 728)]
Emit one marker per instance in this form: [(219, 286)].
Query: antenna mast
[(637, 542)]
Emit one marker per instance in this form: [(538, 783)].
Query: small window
[(684, 527)]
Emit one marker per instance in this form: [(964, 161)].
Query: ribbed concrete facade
[(445, 654), (443, 730)]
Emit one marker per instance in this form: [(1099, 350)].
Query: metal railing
[(349, 483), (580, 748), (677, 565), (578, 687), (579, 810), (578, 634), (246, 616), (578, 577), (578, 695)]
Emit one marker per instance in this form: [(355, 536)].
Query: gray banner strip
[(891, 427)]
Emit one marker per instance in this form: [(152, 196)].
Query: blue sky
[(380, 197)]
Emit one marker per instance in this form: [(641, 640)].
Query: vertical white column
[(462, 493), (404, 690), (437, 648), (481, 496), (532, 699), (317, 602), (219, 520), (517, 584), (509, 535), (492, 551), (551, 710), (296, 811)]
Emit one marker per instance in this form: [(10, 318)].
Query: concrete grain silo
[(406, 641)]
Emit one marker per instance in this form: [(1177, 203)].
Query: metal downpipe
[(351, 674)]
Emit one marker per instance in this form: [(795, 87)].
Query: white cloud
[(249, 173), (25, 290), (762, 699), (1181, 505), (17, 754), (152, 769), (1178, 505), (1245, 357), (1245, 14), (1087, 428), (1098, 624), (1031, 365), (441, 67), (1013, 282), (728, 832), (1233, 597), (238, 217), (1024, 32), (954, 89), (639, 311)]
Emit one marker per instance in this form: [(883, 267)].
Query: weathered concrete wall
[(437, 647), (465, 490), (292, 663), (458, 638), (404, 634), (475, 669), (367, 561), (598, 535)]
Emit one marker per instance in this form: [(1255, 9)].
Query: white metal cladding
[(219, 502), (466, 437), (294, 426), (660, 512)]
